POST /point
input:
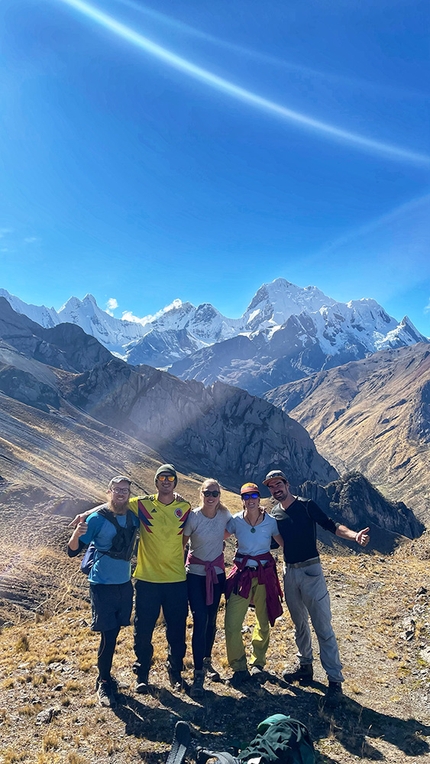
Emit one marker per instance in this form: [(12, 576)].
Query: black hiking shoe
[(175, 678), (180, 744), (334, 694), (196, 690), (304, 674), (211, 673), (239, 678), (142, 685), (258, 673), (105, 694)]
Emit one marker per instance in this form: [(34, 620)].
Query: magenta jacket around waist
[(211, 576), (239, 581)]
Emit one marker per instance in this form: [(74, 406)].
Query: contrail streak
[(339, 79), (241, 94)]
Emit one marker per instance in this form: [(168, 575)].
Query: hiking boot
[(105, 694), (142, 686), (303, 673), (175, 678), (334, 694), (257, 672), (239, 678), (197, 690), (211, 673)]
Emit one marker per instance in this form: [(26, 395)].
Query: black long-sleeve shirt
[(297, 526)]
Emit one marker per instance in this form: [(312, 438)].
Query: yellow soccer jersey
[(160, 556)]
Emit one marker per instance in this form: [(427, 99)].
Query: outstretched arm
[(361, 537)]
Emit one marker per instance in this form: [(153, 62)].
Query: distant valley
[(72, 414)]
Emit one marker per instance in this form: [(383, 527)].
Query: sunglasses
[(246, 496), (211, 493), (170, 478)]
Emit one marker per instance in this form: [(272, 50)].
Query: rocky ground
[(381, 606)]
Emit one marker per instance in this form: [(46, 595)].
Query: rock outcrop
[(373, 416)]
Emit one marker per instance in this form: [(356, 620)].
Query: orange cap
[(249, 488)]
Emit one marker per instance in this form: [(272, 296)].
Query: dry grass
[(386, 714)]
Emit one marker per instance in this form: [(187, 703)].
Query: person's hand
[(362, 537), (76, 521), (80, 529)]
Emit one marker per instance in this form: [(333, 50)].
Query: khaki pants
[(234, 616), (306, 595)]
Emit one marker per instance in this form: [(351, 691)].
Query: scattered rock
[(47, 715), (409, 625)]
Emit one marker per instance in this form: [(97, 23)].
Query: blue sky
[(199, 149)]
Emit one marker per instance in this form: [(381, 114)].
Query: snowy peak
[(281, 319), (46, 317), (274, 303)]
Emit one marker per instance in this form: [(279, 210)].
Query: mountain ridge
[(293, 332), (218, 429)]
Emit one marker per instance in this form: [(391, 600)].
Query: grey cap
[(119, 479), (272, 475)]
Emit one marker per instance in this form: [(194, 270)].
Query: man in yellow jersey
[(160, 576)]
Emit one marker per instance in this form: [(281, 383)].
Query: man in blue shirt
[(112, 528)]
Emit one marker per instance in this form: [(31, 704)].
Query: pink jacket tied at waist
[(211, 576), (240, 578)]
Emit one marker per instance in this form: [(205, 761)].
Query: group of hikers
[(171, 579)]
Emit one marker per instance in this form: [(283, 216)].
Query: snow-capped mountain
[(286, 333)]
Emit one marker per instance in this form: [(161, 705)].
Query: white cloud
[(30, 239), (5, 231), (129, 316), (427, 307), (111, 305)]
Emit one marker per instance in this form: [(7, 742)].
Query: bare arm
[(361, 537), (79, 531), (279, 540)]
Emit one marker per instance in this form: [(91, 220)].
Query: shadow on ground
[(227, 722)]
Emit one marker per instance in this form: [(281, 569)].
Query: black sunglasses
[(210, 493)]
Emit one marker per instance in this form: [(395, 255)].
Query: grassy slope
[(48, 661)]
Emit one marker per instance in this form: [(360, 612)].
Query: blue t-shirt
[(106, 570)]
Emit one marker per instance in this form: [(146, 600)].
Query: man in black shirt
[(304, 583)]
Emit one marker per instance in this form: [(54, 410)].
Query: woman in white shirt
[(205, 530), (253, 578)]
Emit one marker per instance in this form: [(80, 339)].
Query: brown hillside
[(372, 416)]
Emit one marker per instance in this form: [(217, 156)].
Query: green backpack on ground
[(280, 740)]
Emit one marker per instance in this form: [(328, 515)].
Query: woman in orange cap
[(253, 579)]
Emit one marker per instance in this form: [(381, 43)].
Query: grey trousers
[(306, 595)]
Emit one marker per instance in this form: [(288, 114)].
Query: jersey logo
[(178, 512)]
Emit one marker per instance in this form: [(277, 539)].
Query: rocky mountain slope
[(66, 432), (372, 415)]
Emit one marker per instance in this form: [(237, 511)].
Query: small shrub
[(50, 741), (23, 645)]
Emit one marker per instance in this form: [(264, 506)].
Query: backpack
[(122, 545), (281, 740)]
